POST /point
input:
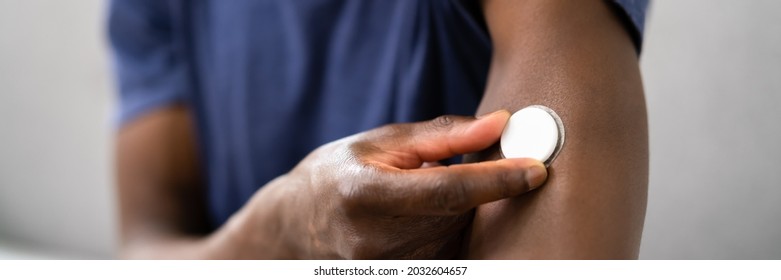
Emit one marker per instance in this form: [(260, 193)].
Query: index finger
[(455, 189)]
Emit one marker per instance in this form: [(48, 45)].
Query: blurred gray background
[(712, 73)]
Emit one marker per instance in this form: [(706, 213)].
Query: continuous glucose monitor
[(533, 132)]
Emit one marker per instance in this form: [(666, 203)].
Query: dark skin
[(370, 195), (377, 194), (577, 59)]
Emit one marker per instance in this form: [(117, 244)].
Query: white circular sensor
[(533, 132)]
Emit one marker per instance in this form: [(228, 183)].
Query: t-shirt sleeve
[(150, 68), (633, 14)]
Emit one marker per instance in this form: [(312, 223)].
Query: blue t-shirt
[(269, 81)]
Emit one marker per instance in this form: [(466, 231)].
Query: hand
[(370, 196)]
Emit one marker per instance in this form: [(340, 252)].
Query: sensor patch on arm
[(533, 132)]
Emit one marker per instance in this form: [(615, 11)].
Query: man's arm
[(347, 199), (160, 195), (160, 189), (162, 201), (576, 58)]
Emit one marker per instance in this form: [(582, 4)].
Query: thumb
[(449, 136), (408, 146)]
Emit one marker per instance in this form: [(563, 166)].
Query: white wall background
[(713, 82), (56, 195), (712, 73)]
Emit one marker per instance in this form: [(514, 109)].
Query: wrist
[(264, 228)]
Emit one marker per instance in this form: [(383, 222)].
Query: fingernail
[(536, 176), (491, 114)]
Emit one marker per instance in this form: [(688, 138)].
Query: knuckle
[(351, 198), (348, 195), (358, 194), (444, 121), (358, 149)]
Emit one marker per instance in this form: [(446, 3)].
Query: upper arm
[(576, 58), (158, 176), (159, 179)]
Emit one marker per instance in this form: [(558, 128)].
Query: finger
[(444, 137), (455, 189), (448, 136)]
